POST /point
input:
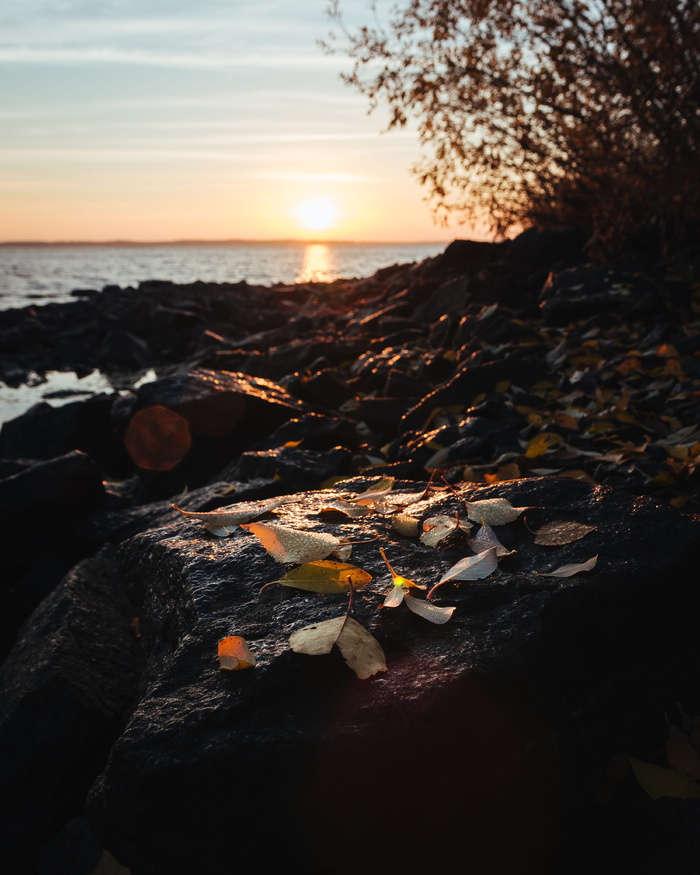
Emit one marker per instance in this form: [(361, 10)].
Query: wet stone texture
[(486, 738)]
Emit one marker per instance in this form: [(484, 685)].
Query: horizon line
[(224, 242)]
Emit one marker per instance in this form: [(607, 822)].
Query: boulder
[(487, 737)]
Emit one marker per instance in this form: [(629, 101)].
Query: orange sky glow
[(149, 121)]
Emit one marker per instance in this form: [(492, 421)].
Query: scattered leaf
[(485, 539), (428, 610), (541, 443), (225, 520), (361, 651), (560, 532), (377, 492), (405, 525), (493, 511), (326, 577), (656, 781), (290, 545), (472, 567), (349, 508), (570, 570), (234, 654), (436, 529), (681, 754)]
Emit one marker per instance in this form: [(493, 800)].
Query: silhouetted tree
[(581, 113)]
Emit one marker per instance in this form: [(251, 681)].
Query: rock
[(292, 468), (67, 688), (185, 427), (497, 726), (124, 350)]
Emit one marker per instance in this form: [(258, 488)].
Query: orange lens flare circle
[(157, 438)]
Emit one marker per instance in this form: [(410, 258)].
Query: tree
[(548, 113)]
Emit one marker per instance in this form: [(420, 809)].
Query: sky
[(153, 120)]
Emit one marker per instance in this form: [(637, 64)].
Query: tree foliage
[(582, 113)]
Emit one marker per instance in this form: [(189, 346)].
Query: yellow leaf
[(405, 525), (541, 443), (657, 781), (326, 577), (361, 651), (349, 508), (681, 754), (234, 654), (290, 545), (402, 582)]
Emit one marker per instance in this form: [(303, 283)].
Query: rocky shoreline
[(516, 370)]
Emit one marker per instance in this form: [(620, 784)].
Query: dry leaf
[(405, 525), (349, 508), (657, 781), (376, 493), (493, 511), (428, 610), (290, 545), (473, 567), (560, 532), (362, 652), (326, 577), (225, 520), (436, 529), (486, 538), (541, 443), (570, 570), (681, 754), (234, 654)]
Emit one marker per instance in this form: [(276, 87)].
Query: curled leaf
[(570, 570), (326, 577), (493, 511), (484, 539), (657, 781), (291, 545), (473, 567), (361, 651), (428, 610), (234, 654), (225, 520), (377, 493), (436, 529), (560, 532), (405, 525), (348, 508)]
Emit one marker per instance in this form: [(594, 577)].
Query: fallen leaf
[(326, 577), (436, 529), (560, 532), (234, 654), (472, 567), (681, 754), (290, 545), (377, 492), (349, 508), (361, 651), (494, 511), (225, 520), (405, 525), (657, 781), (428, 610), (570, 570), (484, 539), (541, 443)]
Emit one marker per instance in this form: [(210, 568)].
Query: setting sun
[(317, 214)]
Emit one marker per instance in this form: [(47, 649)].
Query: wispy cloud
[(108, 55)]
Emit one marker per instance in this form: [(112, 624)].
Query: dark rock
[(293, 469), (312, 432), (188, 426), (502, 721), (44, 432), (67, 689), (121, 349)]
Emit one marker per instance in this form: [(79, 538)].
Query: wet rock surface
[(512, 370)]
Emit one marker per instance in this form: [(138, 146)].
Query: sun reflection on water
[(319, 265)]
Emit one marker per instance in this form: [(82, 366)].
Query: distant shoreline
[(34, 244)]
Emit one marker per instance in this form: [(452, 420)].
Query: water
[(40, 274)]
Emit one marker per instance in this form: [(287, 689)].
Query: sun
[(317, 214)]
